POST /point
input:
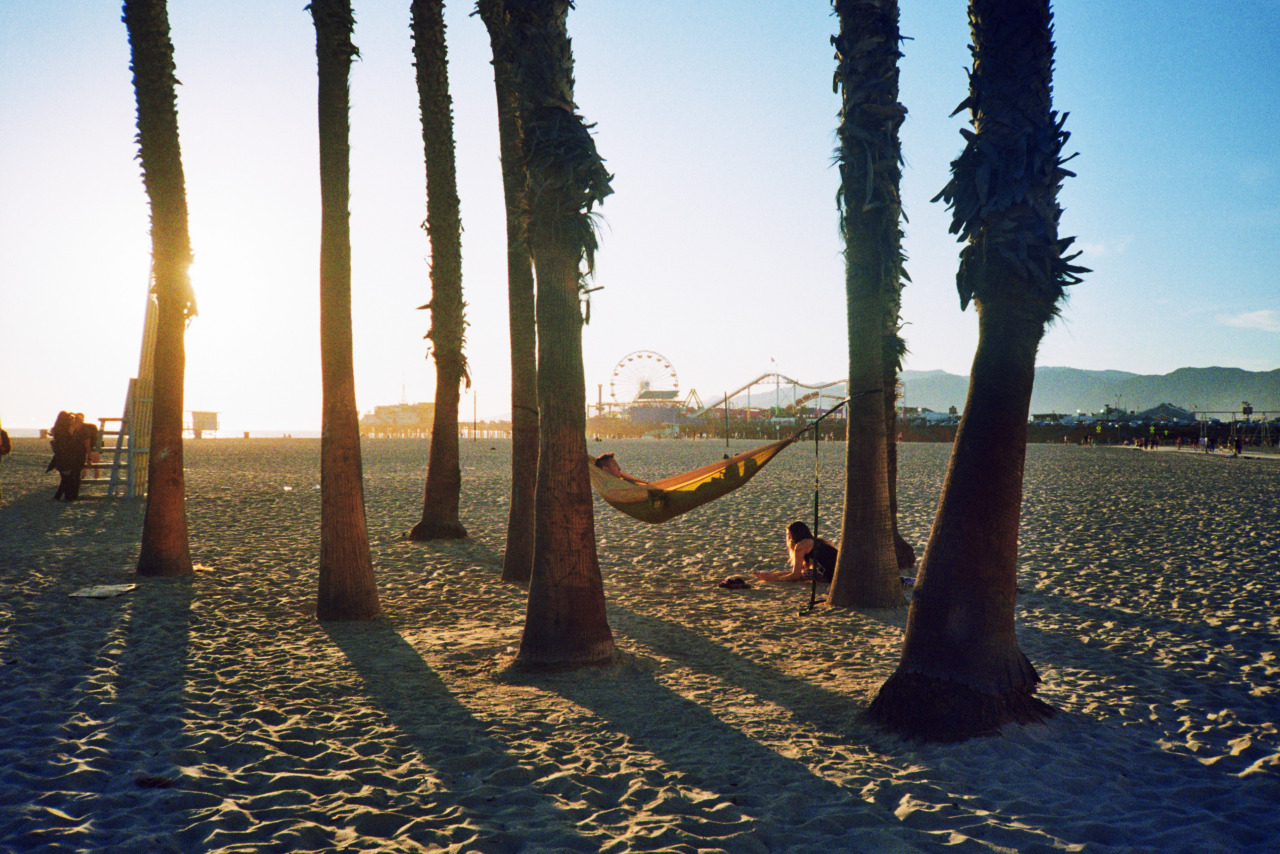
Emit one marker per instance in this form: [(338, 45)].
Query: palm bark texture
[(517, 559), (962, 673), (347, 589), (565, 621), (443, 489), (870, 170), (164, 548)]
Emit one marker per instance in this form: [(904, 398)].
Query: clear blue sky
[(719, 247)]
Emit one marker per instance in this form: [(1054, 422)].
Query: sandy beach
[(214, 714)]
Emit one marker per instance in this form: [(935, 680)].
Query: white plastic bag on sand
[(104, 591)]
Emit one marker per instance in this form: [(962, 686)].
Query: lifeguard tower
[(126, 440), (203, 422)]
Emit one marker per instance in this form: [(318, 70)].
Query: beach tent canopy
[(661, 500)]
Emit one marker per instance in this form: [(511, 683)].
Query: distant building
[(399, 420), (1168, 412), (922, 415)]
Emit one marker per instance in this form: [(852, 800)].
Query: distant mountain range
[(1065, 390)]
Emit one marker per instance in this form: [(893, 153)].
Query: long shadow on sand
[(727, 783), (1202, 634), (455, 744), (712, 755), (815, 708), (784, 798), (92, 688), (1063, 646)]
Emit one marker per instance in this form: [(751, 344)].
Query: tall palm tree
[(347, 587), (565, 622), (164, 530), (444, 228), (517, 559), (962, 673), (869, 156)]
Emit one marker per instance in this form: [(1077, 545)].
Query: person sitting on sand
[(805, 554)]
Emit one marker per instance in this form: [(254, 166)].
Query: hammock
[(660, 500)]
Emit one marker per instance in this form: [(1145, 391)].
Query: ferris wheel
[(643, 376)]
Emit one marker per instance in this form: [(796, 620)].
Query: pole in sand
[(813, 588)]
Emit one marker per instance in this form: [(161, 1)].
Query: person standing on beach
[(87, 435), (77, 456), (5, 448), (64, 455)]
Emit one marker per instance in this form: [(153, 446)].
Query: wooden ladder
[(124, 439), (130, 446)]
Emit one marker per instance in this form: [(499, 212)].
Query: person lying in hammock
[(806, 554), (609, 463)]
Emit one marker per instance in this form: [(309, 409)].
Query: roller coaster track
[(778, 380)]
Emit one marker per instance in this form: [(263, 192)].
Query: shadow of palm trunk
[(485, 794), (94, 689)]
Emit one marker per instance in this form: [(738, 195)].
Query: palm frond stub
[(869, 156), (567, 176), (1004, 184)]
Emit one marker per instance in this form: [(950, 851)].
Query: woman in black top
[(805, 554)]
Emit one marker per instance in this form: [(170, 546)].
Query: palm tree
[(517, 560), (347, 587), (444, 228), (565, 622), (164, 530), (869, 156), (962, 673)]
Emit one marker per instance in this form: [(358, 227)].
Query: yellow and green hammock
[(659, 500)]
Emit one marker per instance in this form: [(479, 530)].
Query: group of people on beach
[(75, 447)]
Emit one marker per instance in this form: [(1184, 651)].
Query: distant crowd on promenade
[(1233, 446)]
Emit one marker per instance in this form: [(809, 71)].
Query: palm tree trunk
[(517, 559), (867, 567), (565, 623), (164, 548), (867, 73), (962, 673), (347, 589), (443, 489)]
